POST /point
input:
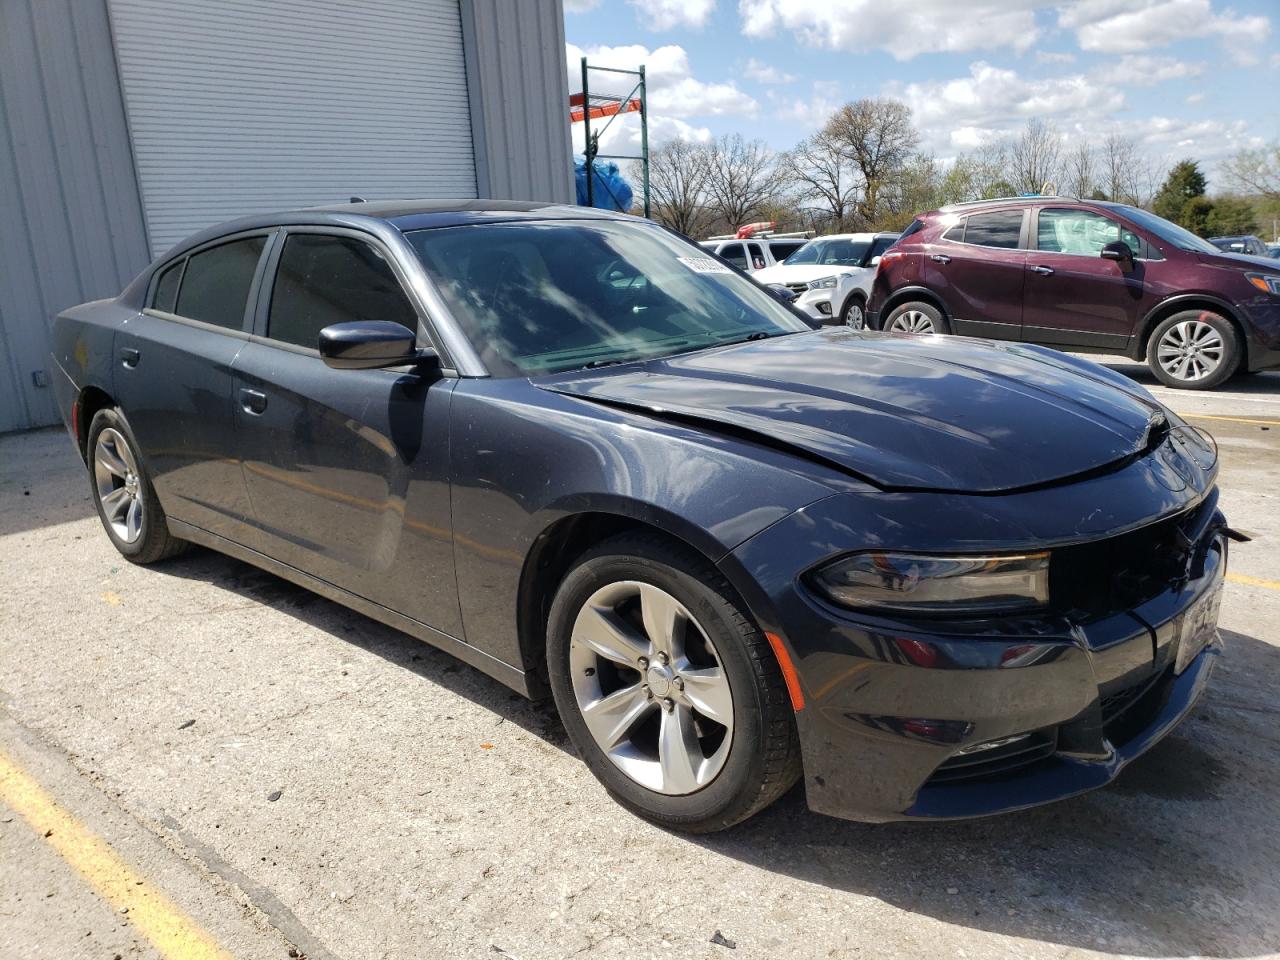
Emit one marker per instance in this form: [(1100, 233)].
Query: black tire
[(1229, 355), (153, 541), (903, 311), (763, 759), (854, 300)]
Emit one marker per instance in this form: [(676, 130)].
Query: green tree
[(1184, 183), (1197, 213), (1231, 216)]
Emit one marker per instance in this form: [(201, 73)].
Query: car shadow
[(1265, 383), (1142, 867)]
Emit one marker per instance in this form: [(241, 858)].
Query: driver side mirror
[(371, 344), (1120, 252), (874, 261)]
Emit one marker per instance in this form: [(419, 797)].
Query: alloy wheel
[(119, 485), (651, 688), (1191, 350), (912, 321), (855, 317)]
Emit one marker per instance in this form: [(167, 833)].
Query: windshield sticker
[(704, 265)]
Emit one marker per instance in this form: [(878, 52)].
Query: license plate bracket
[(1198, 626)]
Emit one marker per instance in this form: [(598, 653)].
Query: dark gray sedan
[(939, 577)]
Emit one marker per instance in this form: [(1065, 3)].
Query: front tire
[(667, 688), (127, 504), (1194, 350), (853, 314), (916, 316)]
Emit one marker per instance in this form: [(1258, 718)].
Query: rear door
[(735, 254), (173, 379), (1073, 296), (347, 470), (977, 266)]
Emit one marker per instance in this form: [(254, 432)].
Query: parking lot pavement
[(424, 811)]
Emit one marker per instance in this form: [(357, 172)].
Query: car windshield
[(1169, 232), (844, 253), (556, 295)]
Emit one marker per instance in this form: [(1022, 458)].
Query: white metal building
[(126, 125)]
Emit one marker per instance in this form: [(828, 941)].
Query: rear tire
[(712, 661), (127, 504), (916, 316), (1194, 350)]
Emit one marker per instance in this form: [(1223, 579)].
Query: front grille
[(1121, 572), (997, 762), (1127, 712), (797, 288)]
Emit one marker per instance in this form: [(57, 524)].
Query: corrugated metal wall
[(71, 226), (519, 98), (244, 106)]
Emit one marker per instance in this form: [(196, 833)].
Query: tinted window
[(536, 297), (955, 233), (916, 226), (324, 280), (781, 249), (1000, 228), (845, 253), (215, 285), (166, 297), (735, 255), (880, 244), (1081, 232)]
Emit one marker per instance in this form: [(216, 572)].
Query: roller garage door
[(244, 106)]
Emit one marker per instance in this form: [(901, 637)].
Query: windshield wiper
[(595, 364)]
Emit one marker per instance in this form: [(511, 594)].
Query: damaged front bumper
[(939, 720)]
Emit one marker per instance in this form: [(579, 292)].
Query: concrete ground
[(425, 811)]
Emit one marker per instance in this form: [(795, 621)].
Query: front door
[(173, 380), (977, 267), (1073, 296), (347, 470)]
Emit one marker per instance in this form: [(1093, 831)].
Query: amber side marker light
[(789, 674)]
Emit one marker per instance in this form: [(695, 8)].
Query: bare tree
[(1033, 158), (1255, 172), (740, 178), (1079, 171), (678, 174), (875, 135), (823, 180), (1122, 169)]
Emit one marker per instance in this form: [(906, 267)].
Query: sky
[(1185, 78)]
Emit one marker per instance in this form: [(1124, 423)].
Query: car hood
[(801, 273), (918, 413), (1241, 261)]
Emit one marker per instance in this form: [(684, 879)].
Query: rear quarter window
[(999, 228), (166, 292)]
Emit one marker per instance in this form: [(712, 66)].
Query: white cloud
[(1141, 70), (673, 90), (766, 73), (992, 102), (811, 111), (669, 14), (902, 29), (1171, 139), (1194, 98), (1131, 26), (1046, 56), (580, 6)]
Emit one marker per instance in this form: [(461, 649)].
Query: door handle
[(129, 357), (253, 401), (939, 258), (1043, 270)]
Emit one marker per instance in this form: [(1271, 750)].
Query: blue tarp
[(609, 192)]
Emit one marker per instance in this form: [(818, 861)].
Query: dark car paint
[(422, 497), (1072, 301)]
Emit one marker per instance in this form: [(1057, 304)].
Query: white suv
[(831, 276), (754, 253)]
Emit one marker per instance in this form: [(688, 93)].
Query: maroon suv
[(1083, 275)]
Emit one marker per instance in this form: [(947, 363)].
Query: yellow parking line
[(175, 935), (1249, 581), (1210, 416)]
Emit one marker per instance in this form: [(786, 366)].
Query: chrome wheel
[(1191, 350), (912, 321), (854, 317), (650, 687), (119, 485)]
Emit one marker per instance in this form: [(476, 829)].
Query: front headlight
[(914, 583), (825, 283), (1266, 282)]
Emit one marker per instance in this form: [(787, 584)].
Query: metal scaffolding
[(588, 106)]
